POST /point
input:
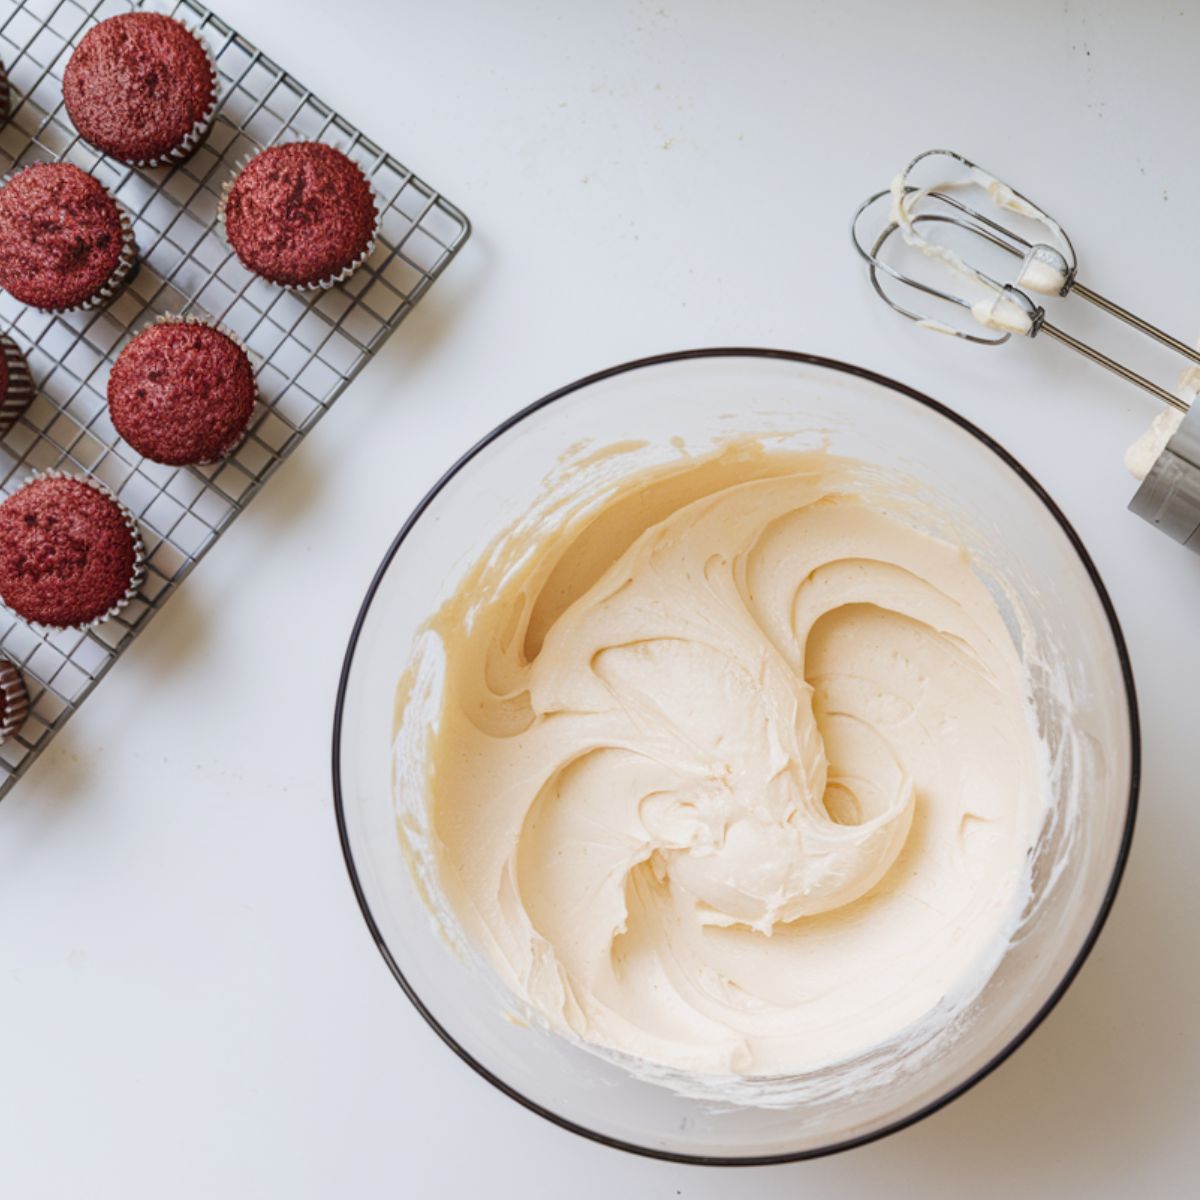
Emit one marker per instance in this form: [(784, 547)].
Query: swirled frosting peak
[(737, 774)]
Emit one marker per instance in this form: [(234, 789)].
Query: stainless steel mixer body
[(1169, 497)]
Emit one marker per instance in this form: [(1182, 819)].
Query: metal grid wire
[(306, 347)]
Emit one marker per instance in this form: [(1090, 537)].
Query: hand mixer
[(1169, 495)]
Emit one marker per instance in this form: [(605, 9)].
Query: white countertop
[(190, 1003)]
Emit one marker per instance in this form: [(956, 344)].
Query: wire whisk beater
[(933, 220)]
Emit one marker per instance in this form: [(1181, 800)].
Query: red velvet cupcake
[(16, 387), (64, 241), (182, 392), (70, 554), (301, 215), (14, 700), (141, 88)]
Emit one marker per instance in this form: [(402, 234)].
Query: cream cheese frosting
[(1003, 313), (737, 774), (1145, 450)]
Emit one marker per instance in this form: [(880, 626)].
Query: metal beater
[(1169, 496)]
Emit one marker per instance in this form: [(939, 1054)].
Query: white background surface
[(190, 1004)]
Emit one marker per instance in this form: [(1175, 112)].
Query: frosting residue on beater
[(1001, 312), (1145, 451), (734, 774), (1045, 269)]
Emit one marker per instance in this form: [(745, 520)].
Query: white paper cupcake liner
[(198, 319), (20, 384), (200, 129), (139, 547), (322, 284), (212, 323), (14, 700)]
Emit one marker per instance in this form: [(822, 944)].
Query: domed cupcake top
[(301, 215), (69, 553), (62, 239), (182, 392), (140, 87)]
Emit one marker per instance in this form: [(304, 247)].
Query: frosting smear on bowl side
[(736, 774)]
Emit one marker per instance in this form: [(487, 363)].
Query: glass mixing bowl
[(1083, 694)]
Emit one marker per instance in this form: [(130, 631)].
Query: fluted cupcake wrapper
[(20, 384), (14, 700), (212, 323), (196, 319), (139, 548), (321, 284), (200, 129)]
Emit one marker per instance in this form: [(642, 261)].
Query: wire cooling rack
[(306, 346)]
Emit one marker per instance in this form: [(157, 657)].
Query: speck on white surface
[(190, 1005)]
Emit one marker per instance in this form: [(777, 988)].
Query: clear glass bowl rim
[(1131, 705)]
